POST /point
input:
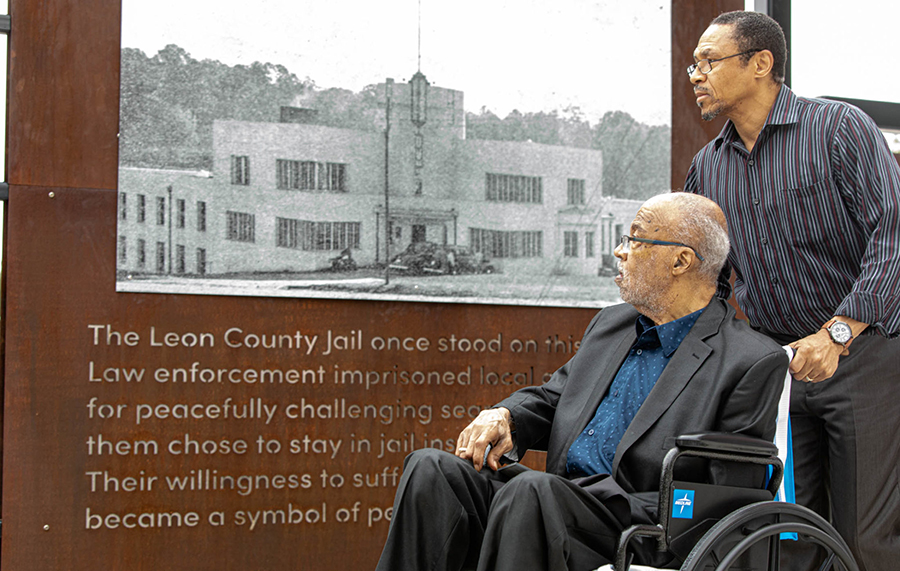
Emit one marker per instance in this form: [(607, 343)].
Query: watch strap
[(832, 321)]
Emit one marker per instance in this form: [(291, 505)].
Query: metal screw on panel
[(52, 194), (46, 528)]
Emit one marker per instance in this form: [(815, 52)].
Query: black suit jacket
[(723, 377)]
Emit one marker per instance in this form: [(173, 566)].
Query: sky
[(530, 55)]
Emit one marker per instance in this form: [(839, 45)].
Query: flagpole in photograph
[(388, 89)]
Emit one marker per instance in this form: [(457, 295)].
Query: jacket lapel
[(607, 373), (681, 368)]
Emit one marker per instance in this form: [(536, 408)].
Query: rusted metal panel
[(95, 381), (689, 133), (63, 93)]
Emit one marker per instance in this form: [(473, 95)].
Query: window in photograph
[(506, 243), (141, 253), (160, 257), (588, 244), (570, 241), (316, 236), (123, 206), (179, 259), (240, 170), (513, 188), (179, 213), (123, 250), (241, 227), (160, 211), (201, 216), (532, 244), (141, 208), (201, 261), (576, 192), (336, 176), (310, 175)]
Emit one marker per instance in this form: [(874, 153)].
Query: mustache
[(701, 90)]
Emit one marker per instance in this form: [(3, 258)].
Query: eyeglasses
[(626, 244), (705, 65)]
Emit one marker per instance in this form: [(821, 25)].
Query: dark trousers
[(447, 516), (846, 435)]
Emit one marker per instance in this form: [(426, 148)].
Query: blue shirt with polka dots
[(594, 449)]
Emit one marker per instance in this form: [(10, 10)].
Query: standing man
[(811, 193)]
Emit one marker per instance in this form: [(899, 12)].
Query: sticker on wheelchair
[(683, 504)]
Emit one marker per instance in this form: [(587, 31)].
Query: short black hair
[(756, 31)]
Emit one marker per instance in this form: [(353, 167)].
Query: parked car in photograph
[(430, 258), (344, 262), (421, 258), (464, 261)]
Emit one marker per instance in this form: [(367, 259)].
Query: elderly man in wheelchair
[(671, 361)]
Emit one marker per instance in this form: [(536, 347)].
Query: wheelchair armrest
[(720, 446), (711, 446), (728, 443)]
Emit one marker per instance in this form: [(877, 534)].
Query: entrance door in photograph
[(418, 233)]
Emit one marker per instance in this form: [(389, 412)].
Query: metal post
[(169, 272), (377, 237), (388, 91), (455, 221)]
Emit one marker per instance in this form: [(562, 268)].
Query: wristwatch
[(840, 332)]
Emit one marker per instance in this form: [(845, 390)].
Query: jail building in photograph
[(290, 195)]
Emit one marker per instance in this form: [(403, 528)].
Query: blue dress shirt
[(593, 451)]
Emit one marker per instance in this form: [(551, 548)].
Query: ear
[(683, 261), (763, 62)]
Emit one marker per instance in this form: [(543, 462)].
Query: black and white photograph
[(475, 152), (485, 152)]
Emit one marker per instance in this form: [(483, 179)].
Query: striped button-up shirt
[(814, 217)]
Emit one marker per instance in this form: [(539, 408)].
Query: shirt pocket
[(809, 217)]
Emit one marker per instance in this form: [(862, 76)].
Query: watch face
[(840, 332)]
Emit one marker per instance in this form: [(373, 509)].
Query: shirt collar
[(785, 111), (671, 334)]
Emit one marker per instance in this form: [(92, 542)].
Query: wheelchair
[(709, 527)]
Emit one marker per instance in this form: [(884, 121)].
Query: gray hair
[(702, 225)]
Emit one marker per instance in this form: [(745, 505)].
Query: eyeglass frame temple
[(696, 65), (626, 239)]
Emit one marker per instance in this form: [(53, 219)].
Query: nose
[(696, 76), (620, 252)]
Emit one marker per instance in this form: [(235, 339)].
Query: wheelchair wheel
[(749, 536)]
